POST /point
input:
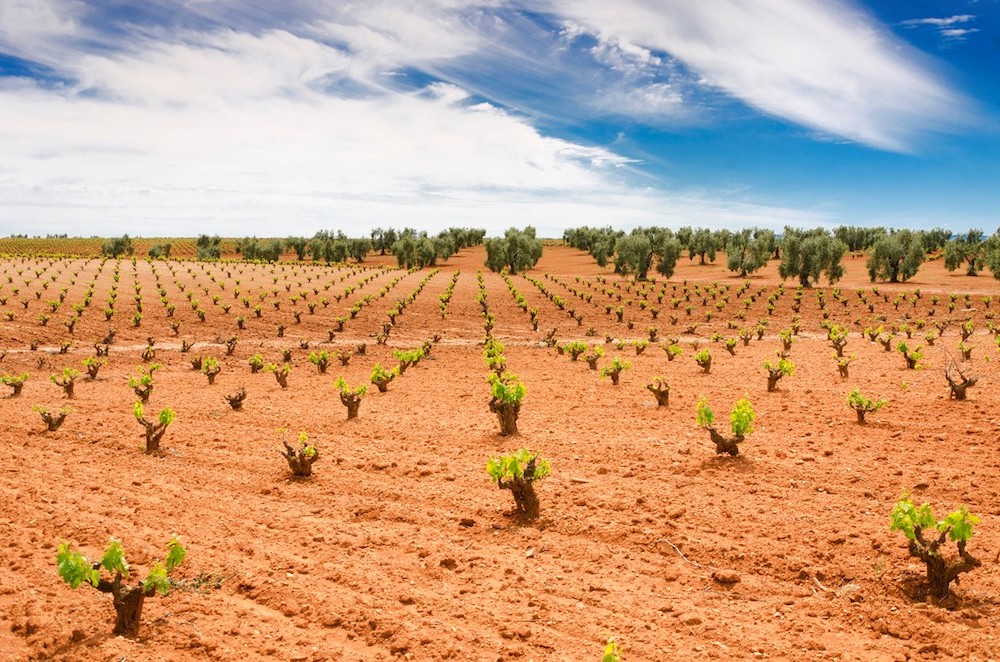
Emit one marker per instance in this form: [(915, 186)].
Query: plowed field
[(399, 546)]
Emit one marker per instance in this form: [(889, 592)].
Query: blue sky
[(268, 117)]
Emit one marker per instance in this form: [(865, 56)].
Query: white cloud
[(944, 26), (940, 22), (30, 27), (957, 33), (824, 65), (252, 121)]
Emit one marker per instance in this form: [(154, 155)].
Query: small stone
[(449, 563), (530, 553), (467, 522), (690, 619), (726, 576)]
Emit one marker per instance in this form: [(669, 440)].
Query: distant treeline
[(893, 255), (410, 247)]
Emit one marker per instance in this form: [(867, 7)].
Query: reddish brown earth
[(400, 547)]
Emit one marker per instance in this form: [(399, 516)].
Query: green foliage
[(14, 380), (414, 250), (612, 652), (991, 254), (969, 248), (912, 356), (210, 366), (507, 388), (381, 377), (742, 417), (858, 238), (673, 350), (166, 416), (493, 355), (896, 257), (253, 249), (908, 518), (513, 465), (113, 559), (808, 255), (858, 402), (345, 389), (159, 250), (93, 365), (516, 251), (297, 244), (118, 246), (703, 244), (575, 349), (256, 362), (749, 249), (704, 415), (320, 359), (408, 358), (209, 248), (783, 366), (599, 242), (67, 376), (615, 367), (75, 569), (703, 357), (635, 253)]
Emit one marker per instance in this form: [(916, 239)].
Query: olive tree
[(117, 246), (634, 253), (967, 248), (517, 250), (991, 254), (896, 257), (807, 255), (209, 248), (704, 244), (749, 249)]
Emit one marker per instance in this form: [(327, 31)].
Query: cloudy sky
[(277, 117)]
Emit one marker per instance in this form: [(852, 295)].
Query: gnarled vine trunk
[(154, 432), (724, 445), (128, 602), (507, 415), (353, 404), (941, 573)]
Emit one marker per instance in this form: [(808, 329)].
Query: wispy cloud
[(945, 26), (257, 115), (825, 65), (940, 22)]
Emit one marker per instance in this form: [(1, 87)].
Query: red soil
[(400, 547)]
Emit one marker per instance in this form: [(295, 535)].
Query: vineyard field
[(400, 547)]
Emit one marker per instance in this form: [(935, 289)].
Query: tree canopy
[(517, 250)]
